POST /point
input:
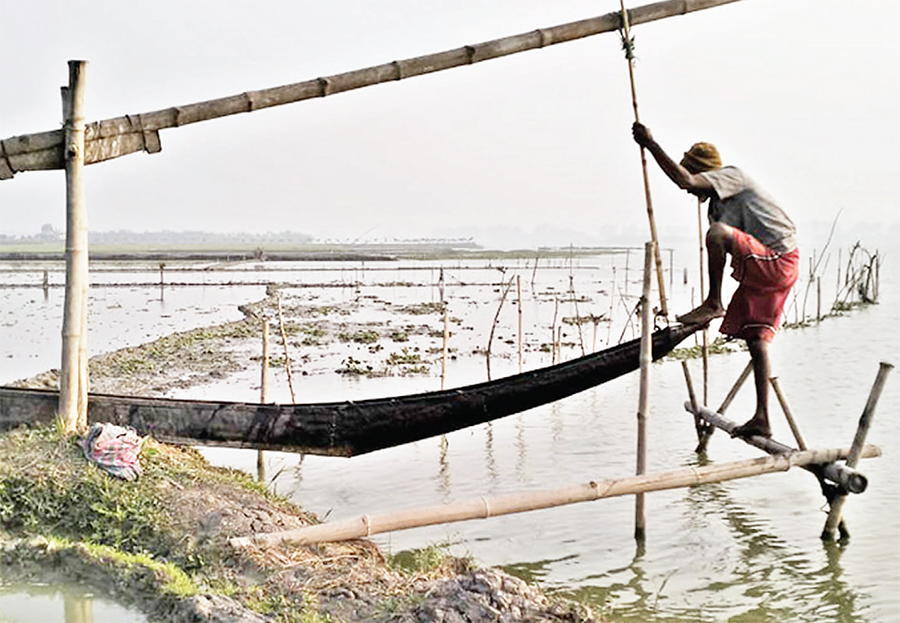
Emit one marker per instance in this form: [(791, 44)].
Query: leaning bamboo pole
[(112, 138), (483, 507), (73, 381), (628, 46)]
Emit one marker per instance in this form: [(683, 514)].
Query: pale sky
[(802, 94)]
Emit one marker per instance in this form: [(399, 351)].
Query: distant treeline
[(122, 237)]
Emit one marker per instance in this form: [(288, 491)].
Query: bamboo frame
[(112, 138), (844, 476), (834, 515), (483, 507)]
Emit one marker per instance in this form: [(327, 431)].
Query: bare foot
[(701, 315), (752, 428)]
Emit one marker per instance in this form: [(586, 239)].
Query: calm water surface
[(746, 550)]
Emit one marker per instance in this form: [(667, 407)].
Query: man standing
[(748, 225)]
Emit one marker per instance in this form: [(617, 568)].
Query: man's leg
[(759, 423), (718, 245)]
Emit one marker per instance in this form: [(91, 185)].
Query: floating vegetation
[(360, 337), (421, 309)]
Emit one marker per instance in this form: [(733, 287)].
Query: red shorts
[(766, 278)]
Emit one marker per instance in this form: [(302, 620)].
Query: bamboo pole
[(646, 358), (483, 507), (73, 381), (845, 476), (628, 45), (263, 394), (116, 137), (287, 355), (834, 516), (705, 343), (444, 355), (519, 308), (787, 413)]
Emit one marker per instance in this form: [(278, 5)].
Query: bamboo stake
[(646, 358), (628, 45), (73, 381), (834, 516), (519, 308), (444, 356), (787, 413), (116, 137), (735, 388), (287, 356), (263, 394), (487, 353), (705, 347), (846, 477), (483, 507)]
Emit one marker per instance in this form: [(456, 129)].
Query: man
[(748, 225)]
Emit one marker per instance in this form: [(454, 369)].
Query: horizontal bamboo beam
[(846, 476), (44, 150), (482, 508)]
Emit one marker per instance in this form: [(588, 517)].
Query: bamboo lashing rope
[(628, 46)]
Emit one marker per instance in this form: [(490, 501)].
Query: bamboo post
[(73, 380), (444, 355), (787, 413), (736, 387), (628, 45), (704, 350), (519, 307), (837, 504), (263, 394), (287, 356), (646, 358), (483, 507), (818, 299)]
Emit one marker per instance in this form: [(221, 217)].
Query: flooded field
[(745, 550)]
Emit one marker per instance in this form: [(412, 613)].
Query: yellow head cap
[(701, 157)]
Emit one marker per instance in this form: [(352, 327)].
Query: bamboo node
[(368, 524), (470, 53), (487, 507), (250, 96), (399, 68), (325, 85), (545, 37), (6, 169)]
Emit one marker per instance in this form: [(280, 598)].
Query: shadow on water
[(754, 577)]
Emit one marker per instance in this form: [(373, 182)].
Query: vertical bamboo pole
[(646, 359), (629, 56), (73, 369), (705, 347), (444, 356), (519, 307), (263, 394), (818, 299), (834, 516)]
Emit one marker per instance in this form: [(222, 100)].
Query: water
[(746, 550)]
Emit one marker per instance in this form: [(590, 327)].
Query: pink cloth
[(766, 278)]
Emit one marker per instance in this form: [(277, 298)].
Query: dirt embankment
[(161, 544)]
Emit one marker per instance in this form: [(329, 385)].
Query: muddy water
[(745, 550)]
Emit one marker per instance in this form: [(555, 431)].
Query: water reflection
[(40, 603)]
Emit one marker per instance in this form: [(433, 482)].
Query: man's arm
[(693, 183)]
